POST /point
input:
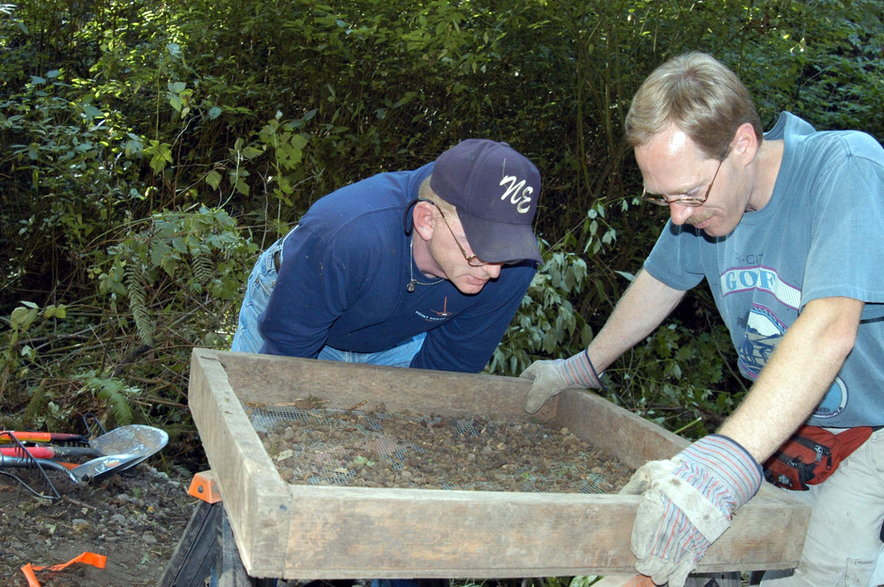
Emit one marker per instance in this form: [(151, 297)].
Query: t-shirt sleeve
[(675, 258), (847, 240)]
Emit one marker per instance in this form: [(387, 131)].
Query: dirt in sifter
[(383, 449)]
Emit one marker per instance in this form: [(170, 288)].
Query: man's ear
[(424, 218), (745, 144)]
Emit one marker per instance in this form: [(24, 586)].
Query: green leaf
[(159, 252), (53, 311), (91, 111), (161, 154), (213, 178), (251, 152), (23, 316), (242, 186), (28, 352), (158, 163), (133, 146), (285, 186)]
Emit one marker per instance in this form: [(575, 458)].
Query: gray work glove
[(687, 503), (552, 377)]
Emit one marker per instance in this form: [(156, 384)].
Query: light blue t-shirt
[(821, 235)]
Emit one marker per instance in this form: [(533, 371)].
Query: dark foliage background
[(151, 149)]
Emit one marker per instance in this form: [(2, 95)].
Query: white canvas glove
[(687, 503), (552, 377)]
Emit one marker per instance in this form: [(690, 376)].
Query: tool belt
[(811, 455)]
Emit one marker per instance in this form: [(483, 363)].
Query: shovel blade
[(102, 466), (134, 439)]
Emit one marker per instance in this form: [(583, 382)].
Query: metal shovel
[(134, 439), (89, 471)]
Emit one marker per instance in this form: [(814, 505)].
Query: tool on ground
[(134, 439), (44, 437), (52, 452), (144, 441), (93, 470)]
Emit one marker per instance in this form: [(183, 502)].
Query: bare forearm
[(796, 377), (641, 309), (646, 303)]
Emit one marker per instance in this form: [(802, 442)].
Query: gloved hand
[(687, 503), (553, 377)]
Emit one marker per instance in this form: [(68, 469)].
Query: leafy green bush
[(677, 378), (546, 323), (141, 138), (170, 283)]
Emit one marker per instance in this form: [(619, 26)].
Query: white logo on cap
[(518, 193)]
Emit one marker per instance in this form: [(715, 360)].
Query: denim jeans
[(261, 283)]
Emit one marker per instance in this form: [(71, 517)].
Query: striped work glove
[(552, 377), (687, 503)]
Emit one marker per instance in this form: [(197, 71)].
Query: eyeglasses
[(682, 199), (472, 260)]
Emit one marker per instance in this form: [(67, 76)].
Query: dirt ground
[(135, 519)]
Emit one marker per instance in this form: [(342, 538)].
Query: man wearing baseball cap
[(421, 268)]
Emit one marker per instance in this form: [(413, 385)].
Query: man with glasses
[(786, 229), (421, 268)]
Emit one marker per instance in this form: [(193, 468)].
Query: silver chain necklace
[(410, 286)]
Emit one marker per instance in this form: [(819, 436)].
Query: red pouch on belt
[(811, 455)]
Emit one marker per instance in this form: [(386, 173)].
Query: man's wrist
[(730, 463), (580, 372)]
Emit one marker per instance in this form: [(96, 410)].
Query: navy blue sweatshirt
[(343, 281)]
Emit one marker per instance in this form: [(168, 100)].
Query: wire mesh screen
[(356, 448)]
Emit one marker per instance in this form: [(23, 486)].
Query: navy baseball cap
[(495, 190)]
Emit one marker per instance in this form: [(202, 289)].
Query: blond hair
[(425, 192), (702, 97)]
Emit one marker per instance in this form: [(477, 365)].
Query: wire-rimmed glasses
[(682, 199), (472, 260)]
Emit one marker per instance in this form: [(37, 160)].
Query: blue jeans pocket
[(260, 285)]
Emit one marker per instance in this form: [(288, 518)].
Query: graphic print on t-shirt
[(764, 328)]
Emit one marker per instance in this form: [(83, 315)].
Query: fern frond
[(112, 392), (203, 268), (135, 290)]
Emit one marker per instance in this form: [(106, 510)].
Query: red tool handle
[(41, 436), (51, 452)]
